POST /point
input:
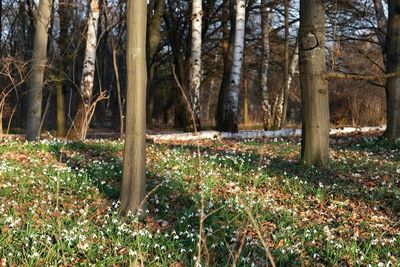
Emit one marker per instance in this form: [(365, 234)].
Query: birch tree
[(133, 189), (83, 113), (39, 61), (195, 60), (230, 120), (393, 65), (265, 105), (314, 86)]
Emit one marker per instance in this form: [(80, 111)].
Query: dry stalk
[(260, 236), (202, 243)]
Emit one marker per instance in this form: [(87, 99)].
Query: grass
[(59, 204)]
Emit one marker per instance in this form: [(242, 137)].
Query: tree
[(39, 61), (265, 105), (84, 110), (393, 65), (154, 15), (65, 14), (195, 60), (314, 86), (231, 106), (133, 189)]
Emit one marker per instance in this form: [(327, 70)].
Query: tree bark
[(153, 40), (133, 189), (195, 61), (227, 49), (81, 123), (65, 13), (393, 65), (39, 61), (266, 106), (230, 120), (314, 87), (382, 26), (286, 67)]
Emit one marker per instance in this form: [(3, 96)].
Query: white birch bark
[(231, 113), (39, 61), (195, 60), (82, 119), (265, 105), (87, 80)]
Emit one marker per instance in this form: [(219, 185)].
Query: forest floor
[(59, 204)]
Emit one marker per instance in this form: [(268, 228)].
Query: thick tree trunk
[(230, 120), (195, 61), (153, 40), (133, 189), (393, 65), (266, 106), (38, 64), (82, 120), (314, 87)]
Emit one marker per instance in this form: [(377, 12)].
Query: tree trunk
[(279, 105), (230, 120), (195, 61), (153, 40), (246, 117), (266, 106), (65, 13), (227, 49), (314, 87), (39, 61), (286, 67), (82, 120), (133, 189), (382, 26), (393, 65)]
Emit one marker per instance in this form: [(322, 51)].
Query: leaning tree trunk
[(81, 123), (195, 61), (230, 120), (314, 87), (393, 65), (265, 105), (133, 189), (38, 64)]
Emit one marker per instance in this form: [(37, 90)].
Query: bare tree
[(314, 86), (39, 62), (133, 189)]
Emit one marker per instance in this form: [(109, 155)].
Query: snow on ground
[(253, 134)]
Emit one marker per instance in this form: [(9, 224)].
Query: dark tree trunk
[(393, 65)]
